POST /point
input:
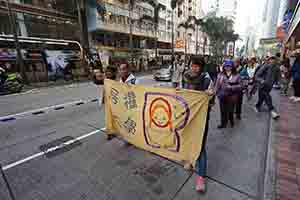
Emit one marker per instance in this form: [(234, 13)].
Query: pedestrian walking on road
[(196, 79), (127, 78), (285, 76), (267, 76), (296, 79), (255, 84), (242, 70), (110, 73), (228, 87), (178, 73)]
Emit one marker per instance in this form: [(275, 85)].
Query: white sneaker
[(103, 129), (293, 98), (297, 99), (274, 115)]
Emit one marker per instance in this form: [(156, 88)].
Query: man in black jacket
[(266, 77)]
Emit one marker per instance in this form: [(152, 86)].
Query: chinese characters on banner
[(164, 121)]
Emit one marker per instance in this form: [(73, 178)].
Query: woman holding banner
[(197, 79)]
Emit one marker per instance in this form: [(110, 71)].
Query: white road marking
[(29, 112), (22, 93), (19, 162)]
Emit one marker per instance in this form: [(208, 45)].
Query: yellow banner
[(164, 121)]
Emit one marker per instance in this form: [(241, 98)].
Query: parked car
[(163, 74)]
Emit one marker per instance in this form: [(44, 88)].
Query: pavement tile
[(288, 152)]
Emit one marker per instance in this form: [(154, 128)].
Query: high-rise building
[(185, 10), (270, 18), (224, 8)]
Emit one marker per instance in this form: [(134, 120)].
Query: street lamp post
[(20, 61), (173, 58)]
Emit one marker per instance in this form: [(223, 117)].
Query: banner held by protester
[(164, 121)]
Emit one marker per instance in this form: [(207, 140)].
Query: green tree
[(220, 32)]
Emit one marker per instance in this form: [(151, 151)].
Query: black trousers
[(226, 110), (264, 96), (296, 86), (239, 104)]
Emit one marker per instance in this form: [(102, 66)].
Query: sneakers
[(221, 126), (200, 184), (257, 110), (293, 98), (274, 114), (297, 99), (127, 144)]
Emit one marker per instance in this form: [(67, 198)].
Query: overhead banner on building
[(164, 121)]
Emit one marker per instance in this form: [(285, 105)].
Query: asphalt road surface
[(52, 149)]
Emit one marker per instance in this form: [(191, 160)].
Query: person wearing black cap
[(266, 77), (197, 79)]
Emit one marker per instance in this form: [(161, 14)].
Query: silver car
[(163, 74)]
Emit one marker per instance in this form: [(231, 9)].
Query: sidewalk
[(287, 151)]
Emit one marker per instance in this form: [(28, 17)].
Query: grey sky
[(249, 12)]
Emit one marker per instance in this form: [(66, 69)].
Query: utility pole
[(84, 40), (20, 61), (173, 57), (131, 33)]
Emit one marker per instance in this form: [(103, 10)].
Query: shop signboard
[(179, 44)]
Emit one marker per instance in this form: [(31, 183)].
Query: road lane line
[(23, 93), (34, 156), (48, 108)]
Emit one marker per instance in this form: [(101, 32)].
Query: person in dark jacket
[(228, 88), (242, 70), (266, 77), (296, 79), (197, 79), (255, 84)]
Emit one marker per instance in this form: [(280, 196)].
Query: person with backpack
[(197, 79), (266, 77)]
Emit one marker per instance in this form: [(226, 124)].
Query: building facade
[(270, 18), (42, 27), (224, 8), (109, 28), (192, 39)]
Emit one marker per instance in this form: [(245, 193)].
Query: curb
[(269, 185)]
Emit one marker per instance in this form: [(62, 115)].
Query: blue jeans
[(202, 163)]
